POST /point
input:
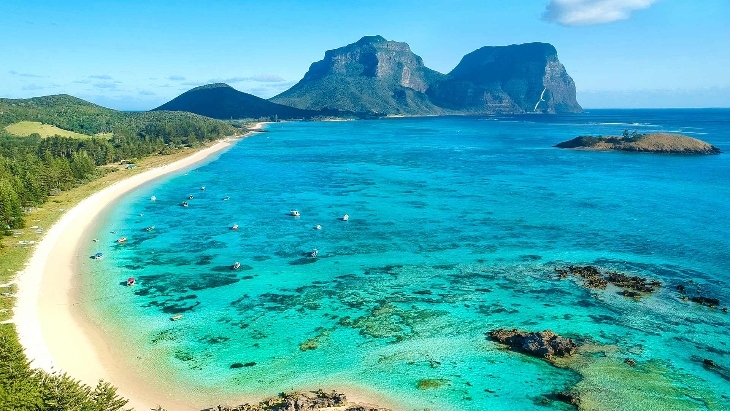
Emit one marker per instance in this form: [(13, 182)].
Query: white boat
[(122, 240), (190, 197), (150, 228), (98, 256), (226, 198), (345, 217), (294, 213), (318, 227), (185, 204), (202, 188), (314, 253), (176, 317), (153, 198), (236, 266), (235, 227)]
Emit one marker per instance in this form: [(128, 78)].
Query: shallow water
[(455, 227)]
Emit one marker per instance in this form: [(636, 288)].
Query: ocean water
[(456, 225)]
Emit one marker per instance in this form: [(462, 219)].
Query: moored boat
[(345, 217), (153, 198), (314, 253), (176, 317), (190, 197), (202, 188), (98, 256), (235, 227), (122, 240), (236, 266), (150, 228), (318, 227), (185, 204), (131, 281), (294, 213), (226, 198)]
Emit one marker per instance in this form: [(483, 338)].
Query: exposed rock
[(634, 283), (374, 75), (663, 143), (544, 344), (633, 286), (521, 78), (297, 401)]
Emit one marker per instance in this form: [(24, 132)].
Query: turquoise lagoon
[(456, 225)]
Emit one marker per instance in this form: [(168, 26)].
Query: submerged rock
[(568, 397), (707, 301), (544, 344)]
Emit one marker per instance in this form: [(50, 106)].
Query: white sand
[(56, 335)]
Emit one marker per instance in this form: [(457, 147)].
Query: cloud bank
[(589, 12)]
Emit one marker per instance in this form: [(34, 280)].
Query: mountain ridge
[(385, 77), (221, 101)]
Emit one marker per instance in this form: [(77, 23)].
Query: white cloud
[(588, 12)]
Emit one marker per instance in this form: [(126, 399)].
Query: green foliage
[(32, 169), (24, 388), (11, 214)]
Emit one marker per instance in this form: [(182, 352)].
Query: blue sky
[(135, 55)]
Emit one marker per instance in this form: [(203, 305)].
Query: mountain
[(522, 78), (373, 75), (222, 101), (79, 116)]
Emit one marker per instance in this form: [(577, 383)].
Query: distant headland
[(664, 143)]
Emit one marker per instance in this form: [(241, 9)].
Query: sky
[(136, 55)]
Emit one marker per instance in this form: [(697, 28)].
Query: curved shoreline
[(55, 334)]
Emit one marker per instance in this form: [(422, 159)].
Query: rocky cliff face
[(525, 78), (371, 75), (375, 75)]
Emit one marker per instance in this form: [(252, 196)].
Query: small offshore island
[(663, 143)]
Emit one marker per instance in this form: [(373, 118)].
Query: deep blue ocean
[(456, 226)]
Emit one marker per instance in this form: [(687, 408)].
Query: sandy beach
[(55, 333)]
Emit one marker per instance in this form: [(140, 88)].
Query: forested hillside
[(34, 168)]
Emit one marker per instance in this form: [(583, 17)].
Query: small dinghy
[(131, 281), (98, 256), (235, 227), (150, 228), (190, 197), (294, 213), (318, 227), (176, 317), (236, 266), (202, 188), (226, 198), (122, 240), (185, 204), (153, 198), (313, 254), (345, 217)]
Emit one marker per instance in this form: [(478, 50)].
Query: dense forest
[(33, 168), (25, 388)]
